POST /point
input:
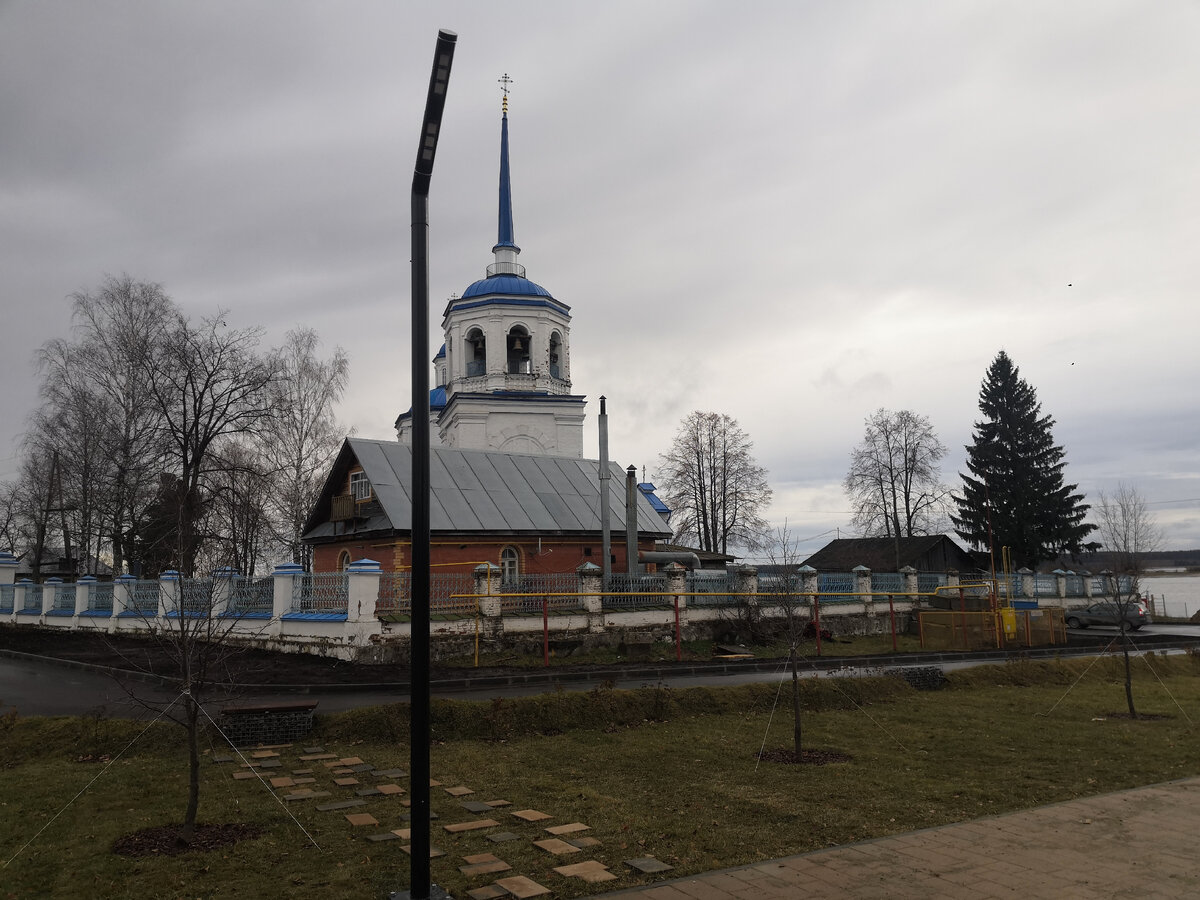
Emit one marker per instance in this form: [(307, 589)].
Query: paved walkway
[(1141, 843)]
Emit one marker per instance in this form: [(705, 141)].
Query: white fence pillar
[(591, 582), (83, 592), (284, 578), (222, 590), (862, 587), (911, 581), (491, 607), (170, 594), (49, 592)]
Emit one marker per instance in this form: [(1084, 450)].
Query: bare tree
[(894, 480), (103, 371), (785, 557), (1128, 532), (209, 384), (715, 488), (304, 435)]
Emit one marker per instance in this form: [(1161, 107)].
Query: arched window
[(556, 355), (519, 362), (476, 352), (343, 561), (510, 565)]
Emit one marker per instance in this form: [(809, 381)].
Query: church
[(509, 481), (503, 375)]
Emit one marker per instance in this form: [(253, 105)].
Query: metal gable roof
[(478, 490)]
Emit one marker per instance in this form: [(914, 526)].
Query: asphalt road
[(35, 687)]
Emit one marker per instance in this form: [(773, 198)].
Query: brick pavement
[(1140, 843)]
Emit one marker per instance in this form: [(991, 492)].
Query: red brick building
[(525, 513)]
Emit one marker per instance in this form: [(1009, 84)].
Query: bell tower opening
[(519, 360)]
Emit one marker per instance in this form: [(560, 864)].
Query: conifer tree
[(1016, 474)]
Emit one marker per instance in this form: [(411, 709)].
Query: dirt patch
[(164, 840), (787, 756)]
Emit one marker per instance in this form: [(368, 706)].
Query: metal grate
[(100, 597), (1045, 585), (710, 589), (887, 583), (450, 593), (558, 590), (64, 597), (1074, 585), (622, 591), (143, 597), (33, 598), (928, 582), (7, 596), (321, 592), (836, 583), (252, 595)]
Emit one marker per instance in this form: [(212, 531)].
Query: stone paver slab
[(271, 764), (556, 846), (583, 843), (367, 792), (388, 788), (648, 865), (520, 886), (497, 804), (341, 804), (460, 791), (485, 868), (302, 771), (357, 819), (591, 871), (574, 827), (264, 754), (346, 782), (282, 782), (313, 757), (305, 795), (351, 761), (304, 779), (489, 892), (311, 750), (475, 806), (386, 836), (473, 825), (531, 815), (222, 759), (389, 773), (433, 782), (405, 834), (242, 776)]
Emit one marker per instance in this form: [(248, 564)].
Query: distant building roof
[(483, 491), (929, 553)]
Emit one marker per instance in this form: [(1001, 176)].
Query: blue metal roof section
[(437, 398), (512, 285), (441, 354), (505, 236), (647, 490)]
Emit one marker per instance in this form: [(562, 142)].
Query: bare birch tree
[(1127, 531), (894, 481), (303, 437), (713, 485)]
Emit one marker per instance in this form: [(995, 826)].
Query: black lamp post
[(435, 102)]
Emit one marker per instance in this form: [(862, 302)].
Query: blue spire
[(505, 237)]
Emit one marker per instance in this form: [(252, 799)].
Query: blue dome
[(506, 284), (437, 398)]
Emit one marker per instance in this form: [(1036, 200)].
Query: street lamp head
[(435, 104)]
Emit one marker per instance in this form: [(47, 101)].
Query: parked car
[(1107, 613)]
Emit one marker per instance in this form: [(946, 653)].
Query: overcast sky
[(791, 212)]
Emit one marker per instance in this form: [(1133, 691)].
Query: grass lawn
[(656, 772)]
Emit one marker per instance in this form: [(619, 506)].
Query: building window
[(476, 353), (519, 359), (510, 565), (360, 486), (343, 561)]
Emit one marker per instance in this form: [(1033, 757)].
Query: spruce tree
[(1016, 472)]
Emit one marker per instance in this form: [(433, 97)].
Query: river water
[(1174, 595)]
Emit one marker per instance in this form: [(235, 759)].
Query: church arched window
[(519, 361), (476, 352), (510, 565), (556, 368)]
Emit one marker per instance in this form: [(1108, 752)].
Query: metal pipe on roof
[(605, 510), (631, 544), (657, 556)]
